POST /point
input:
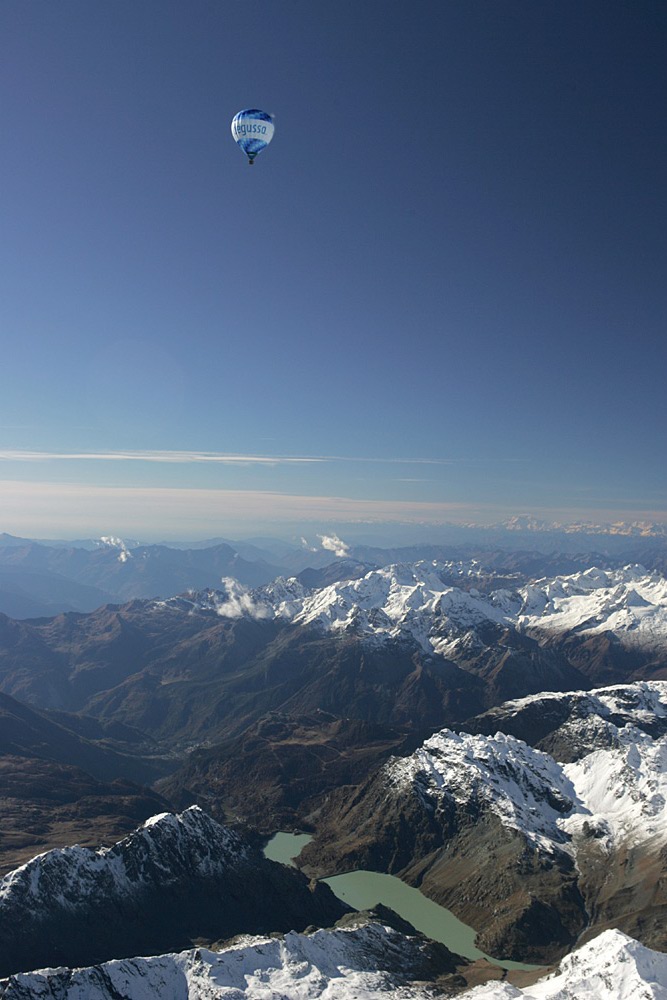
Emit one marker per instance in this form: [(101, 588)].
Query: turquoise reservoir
[(363, 890)]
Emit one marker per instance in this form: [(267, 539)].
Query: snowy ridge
[(611, 967), (412, 602), (601, 719), (628, 602), (155, 852), (525, 788), (640, 703), (623, 790), (620, 791), (340, 963)]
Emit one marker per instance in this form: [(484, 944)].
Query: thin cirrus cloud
[(172, 457), (191, 457)]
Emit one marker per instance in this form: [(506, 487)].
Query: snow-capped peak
[(612, 966), (527, 789), (618, 791), (69, 875)]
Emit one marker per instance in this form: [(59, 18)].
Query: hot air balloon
[(253, 131)]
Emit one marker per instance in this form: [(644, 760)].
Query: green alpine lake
[(365, 889)]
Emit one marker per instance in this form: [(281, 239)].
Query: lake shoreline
[(362, 890)]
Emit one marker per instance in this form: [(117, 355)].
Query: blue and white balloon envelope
[(253, 131)]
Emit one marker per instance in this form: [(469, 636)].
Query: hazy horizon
[(71, 522)]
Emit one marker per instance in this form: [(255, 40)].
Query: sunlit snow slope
[(611, 967)]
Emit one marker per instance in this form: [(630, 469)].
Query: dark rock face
[(512, 665), (173, 881), (625, 889), (526, 904)]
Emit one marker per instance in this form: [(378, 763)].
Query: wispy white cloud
[(332, 543), (239, 602)]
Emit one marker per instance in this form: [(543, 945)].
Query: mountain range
[(399, 645), (400, 651), (495, 737), (44, 578)]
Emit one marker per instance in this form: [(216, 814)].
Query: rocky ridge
[(569, 725), (175, 879), (361, 961)]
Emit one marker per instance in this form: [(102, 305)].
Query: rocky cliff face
[(176, 879)]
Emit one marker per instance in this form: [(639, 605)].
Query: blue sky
[(443, 283)]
